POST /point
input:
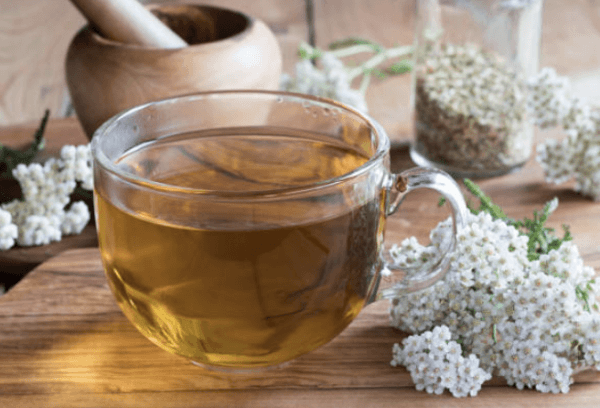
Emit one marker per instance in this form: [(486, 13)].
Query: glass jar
[(471, 63)]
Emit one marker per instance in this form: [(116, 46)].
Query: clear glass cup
[(241, 229), (471, 64)]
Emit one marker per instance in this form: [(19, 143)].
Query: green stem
[(365, 84), (307, 51), (11, 158), (352, 50), (383, 56)]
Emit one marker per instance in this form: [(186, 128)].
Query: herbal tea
[(235, 288)]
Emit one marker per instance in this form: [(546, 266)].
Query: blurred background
[(34, 36)]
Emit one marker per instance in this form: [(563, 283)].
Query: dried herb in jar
[(470, 111)]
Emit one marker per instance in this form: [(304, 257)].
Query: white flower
[(350, 97), (548, 98), (331, 82), (76, 218), (8, 230), (38, 230), (435, 363), (40, 217), (550, 104), (527, 321)]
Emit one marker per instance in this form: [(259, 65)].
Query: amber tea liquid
[(224, 289)]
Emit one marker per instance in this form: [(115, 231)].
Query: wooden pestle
[(129, 22)]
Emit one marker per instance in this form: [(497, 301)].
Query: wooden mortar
[(227, 50)]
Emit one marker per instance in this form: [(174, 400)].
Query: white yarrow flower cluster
[(531, 322), (578, 155), (40, 217), (8, 230), (332, 81), (435, 363)]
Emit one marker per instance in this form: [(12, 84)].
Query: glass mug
[(241, 229)]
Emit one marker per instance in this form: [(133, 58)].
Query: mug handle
[(411, 279)]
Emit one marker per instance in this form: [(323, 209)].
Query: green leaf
[(486, 204), (347, 42), (306, 51), (540, 239), (584, 296), (379, 73), (400, 67), (11, 158)]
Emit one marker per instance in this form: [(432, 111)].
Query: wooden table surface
[(63, 340), (65, 343)]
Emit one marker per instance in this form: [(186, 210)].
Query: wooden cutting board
[(64, 342)]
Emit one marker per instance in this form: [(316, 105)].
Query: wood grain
[(64, 342), (34, 37), (579, 396), (98, 350)]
